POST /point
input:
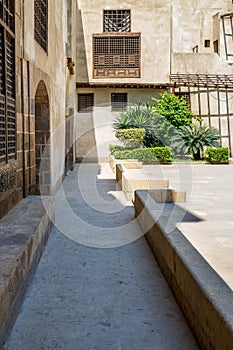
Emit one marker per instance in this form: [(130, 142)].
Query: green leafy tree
[(174, 109), (192, 139)]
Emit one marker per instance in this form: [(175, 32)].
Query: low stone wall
[(203, 296), (24, 233), (131, 177), (128, 163)]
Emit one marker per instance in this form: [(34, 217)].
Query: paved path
[(83, 297)]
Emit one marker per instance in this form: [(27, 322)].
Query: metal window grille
[(2, 130), (116, 20), (10, 66), (7, 83), (116, 55), (7, 13), (119, 101), (41, 23), (185, 96), (85, 103)]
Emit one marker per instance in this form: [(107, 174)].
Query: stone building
[(91, 59), (37, 96), (131, 51)]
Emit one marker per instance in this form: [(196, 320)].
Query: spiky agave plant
[(123, 121), (192, 139)]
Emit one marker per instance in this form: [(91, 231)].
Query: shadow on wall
[(42, 139), (86, 148), (81, 56)]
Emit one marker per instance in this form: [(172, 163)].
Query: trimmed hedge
[(113, 148), (131, 137), (217, 155), (156, 154), (162, 154), (142, 154)]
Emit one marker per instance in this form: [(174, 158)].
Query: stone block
[(202, 295), (22, 243), (168, 196)]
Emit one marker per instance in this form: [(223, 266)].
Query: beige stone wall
[(51, 68), (169, 32), (151, 19), (94, 131)]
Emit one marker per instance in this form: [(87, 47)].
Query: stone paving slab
[(83, 297), (209, 191)]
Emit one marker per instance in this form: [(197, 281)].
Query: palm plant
[(142, 115), (123, 121), (138, 116), (192, 139)]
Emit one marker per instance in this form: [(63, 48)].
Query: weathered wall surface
[(36, 109), (51, 68), (151, 19), (94, 130)]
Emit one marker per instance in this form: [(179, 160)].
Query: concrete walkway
[(98, 289)]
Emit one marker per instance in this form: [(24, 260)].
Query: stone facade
[(176, 37), (67, 59), (45, 88)]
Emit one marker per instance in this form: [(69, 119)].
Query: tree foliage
[(174, 109)]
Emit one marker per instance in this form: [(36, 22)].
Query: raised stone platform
[(23, 235), (204, 298), (131, 177)]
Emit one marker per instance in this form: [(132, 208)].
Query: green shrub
[(156, 154), (142, 154), (217, 155), (162, 154), (113, 148), (132, 137)]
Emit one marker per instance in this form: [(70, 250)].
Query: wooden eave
[(124, 85)]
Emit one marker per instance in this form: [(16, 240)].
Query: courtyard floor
[(209, 191)]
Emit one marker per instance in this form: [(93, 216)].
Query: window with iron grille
[(85, 103), (118, 101), (7, 82), (7, 13), (41, 23), (116, 20), (116, 55), (184, 95)]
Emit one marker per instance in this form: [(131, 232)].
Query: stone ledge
[(23, 235), (203, 296), (131, 177)]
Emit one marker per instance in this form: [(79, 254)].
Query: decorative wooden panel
[(116, 55)]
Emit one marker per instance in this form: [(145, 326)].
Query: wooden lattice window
[(7, 82), (116, 20), (85, 103), (41, 23), (116, 55), (118, 101)]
